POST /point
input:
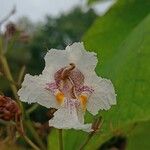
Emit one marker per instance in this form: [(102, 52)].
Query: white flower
[(69, 83)]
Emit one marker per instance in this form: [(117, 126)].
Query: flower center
[(68, 80), (69, 84)]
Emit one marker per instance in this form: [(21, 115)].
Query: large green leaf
[(125, 51), (130, 72), (139, 137), (53, 140), (71, 139), (109, 31)]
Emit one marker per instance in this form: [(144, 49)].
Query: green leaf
[(121, 38), (94, 1), (71, 139), (139, 138), (109, 31), (130, 72), (53, 143)]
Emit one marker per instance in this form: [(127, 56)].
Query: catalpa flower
[(69, 83)]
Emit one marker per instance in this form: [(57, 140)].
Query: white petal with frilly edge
[(54, 60), (103, 96), (33, 90), (67, 118), (84, 60)]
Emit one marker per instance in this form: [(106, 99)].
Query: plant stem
[(8, 75), (95, 126), (22, 133), (21, 75), (60, 139), (35, 135), (31, 109), (87, 140), (8, 15), (30, 142)]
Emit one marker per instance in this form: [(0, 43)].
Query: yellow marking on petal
[(60, 97), (83, 100)]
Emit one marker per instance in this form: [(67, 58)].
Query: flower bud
[(10, 30), (9, 109), (97, 124)]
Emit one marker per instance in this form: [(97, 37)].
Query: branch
[(12, 12)]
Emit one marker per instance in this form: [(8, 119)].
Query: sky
[(37, 9)]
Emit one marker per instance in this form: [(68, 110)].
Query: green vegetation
[(121, 39)]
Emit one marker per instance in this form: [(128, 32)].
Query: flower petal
[(84, 60), (67, 118), (55, 60), (33, 90), (75, 51), (103, 96)]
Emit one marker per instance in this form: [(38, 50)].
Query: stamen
[(73, 91), (60, 97), (67, 70), (83, 100)]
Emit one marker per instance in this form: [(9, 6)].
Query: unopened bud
[(9, 109), (97, 124), (10, 30)]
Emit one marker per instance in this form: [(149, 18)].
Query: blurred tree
[(57, 33), (25, 24), (53, 33)]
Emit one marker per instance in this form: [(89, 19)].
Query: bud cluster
[(12, 30), (9, 109)]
